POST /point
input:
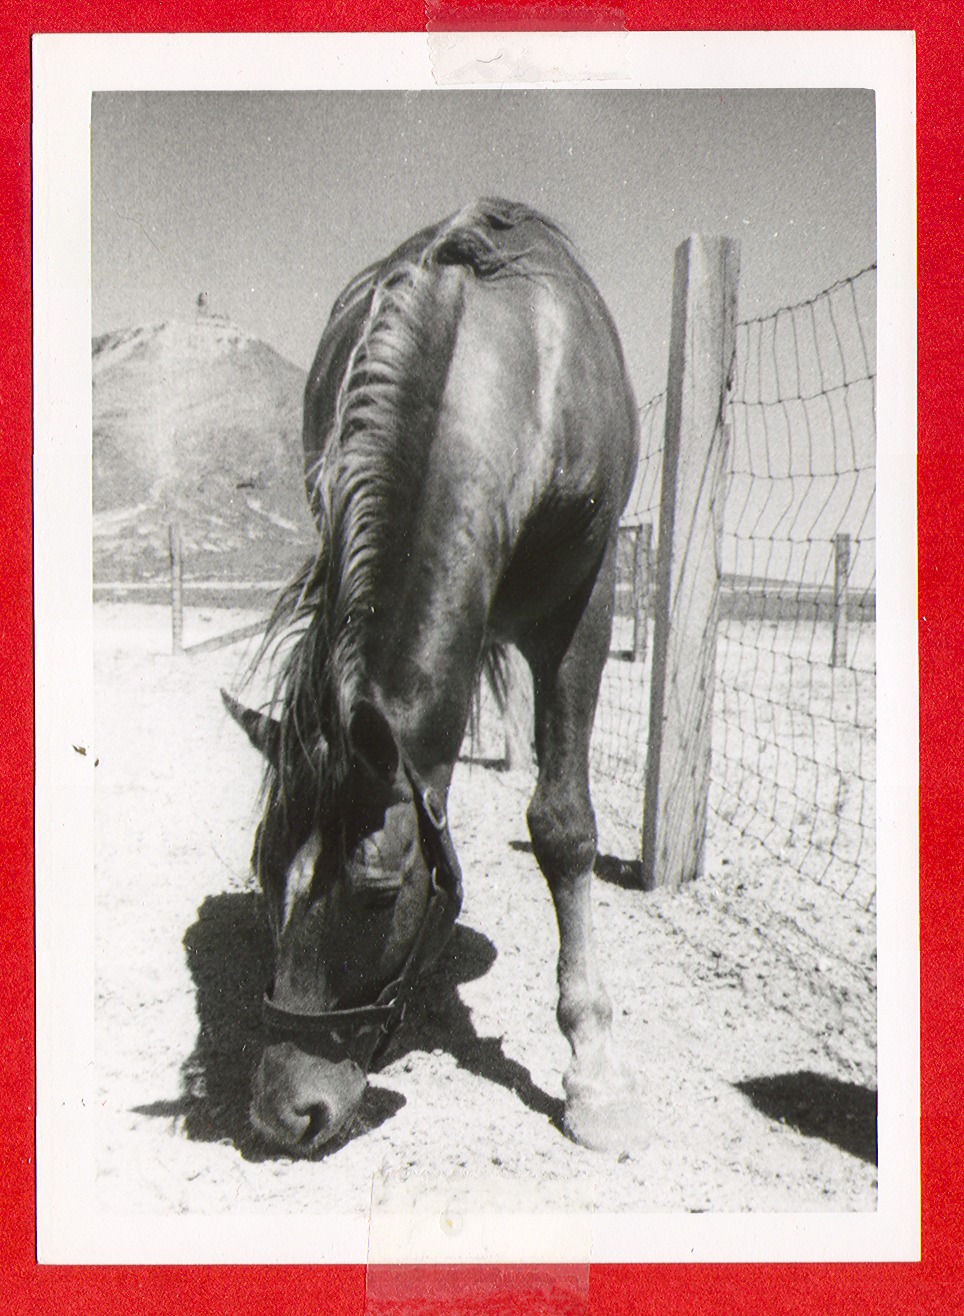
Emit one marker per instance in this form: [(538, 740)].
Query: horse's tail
[(495, 666), (497, 675)]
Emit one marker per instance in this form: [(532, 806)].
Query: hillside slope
[(199, 424)]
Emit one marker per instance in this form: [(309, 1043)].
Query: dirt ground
[(755, 1049)]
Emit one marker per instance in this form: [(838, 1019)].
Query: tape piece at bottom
[(465, 1243)]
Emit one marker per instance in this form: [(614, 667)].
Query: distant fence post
[(642, 557), (841, 570), (701, 358), (177, 590)]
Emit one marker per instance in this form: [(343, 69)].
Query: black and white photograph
[(488, 587)]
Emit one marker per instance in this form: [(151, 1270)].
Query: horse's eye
[(376, 886), (378, 895)]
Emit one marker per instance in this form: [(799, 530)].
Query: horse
[(470, 439)]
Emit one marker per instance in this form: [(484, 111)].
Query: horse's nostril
[(319, 1125)]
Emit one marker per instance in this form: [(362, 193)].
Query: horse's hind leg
[(603, 1105)]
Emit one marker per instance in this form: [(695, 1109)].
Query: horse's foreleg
[(603, 1104), (563, 838)]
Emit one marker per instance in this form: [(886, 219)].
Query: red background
[(936, 1283)]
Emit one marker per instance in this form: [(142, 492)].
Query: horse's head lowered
[(363, 888)]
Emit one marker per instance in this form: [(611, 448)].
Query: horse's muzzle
[(299, 1102)]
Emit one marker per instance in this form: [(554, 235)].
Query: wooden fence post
[(841, 570), (642, 555), (177, 590), (701, 361)]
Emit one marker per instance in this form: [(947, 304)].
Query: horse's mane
[(362, 486)]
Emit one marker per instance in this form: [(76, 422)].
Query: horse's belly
[(551, 568)]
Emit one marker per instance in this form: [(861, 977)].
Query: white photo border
[(67, 70)]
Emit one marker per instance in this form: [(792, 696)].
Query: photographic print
[(485, 631)]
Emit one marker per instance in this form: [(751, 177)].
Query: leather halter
[(361, 1032)]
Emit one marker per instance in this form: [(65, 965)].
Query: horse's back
[(537, 405), (516, 404)]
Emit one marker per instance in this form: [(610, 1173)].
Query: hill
[(197, 423)]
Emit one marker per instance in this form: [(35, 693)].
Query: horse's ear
[(373, 741), (263, 731)]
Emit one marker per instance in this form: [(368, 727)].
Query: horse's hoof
[(608, 1121)]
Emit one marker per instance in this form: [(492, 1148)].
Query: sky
[(269, 203)]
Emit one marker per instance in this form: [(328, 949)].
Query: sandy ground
[(756, 1046)]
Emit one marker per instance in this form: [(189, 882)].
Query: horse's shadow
[(818, 1106), (229, 954)]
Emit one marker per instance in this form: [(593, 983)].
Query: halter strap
[(363, 1031)]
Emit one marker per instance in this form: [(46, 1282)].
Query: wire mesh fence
[(791, 819), (794, 752), (793, 770)]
